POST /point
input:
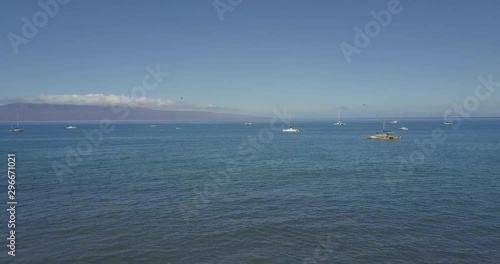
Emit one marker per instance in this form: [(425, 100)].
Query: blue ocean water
[(228, 193)]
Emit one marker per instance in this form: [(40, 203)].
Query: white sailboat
[(339, 123), (290, 128), (17, 128), (394, 121), (447, 123)]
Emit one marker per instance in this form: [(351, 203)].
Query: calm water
[(209, 193)]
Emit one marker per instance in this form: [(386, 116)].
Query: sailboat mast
[(17, 119)]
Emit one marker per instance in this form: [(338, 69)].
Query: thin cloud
[(115, 100), (98, 100)]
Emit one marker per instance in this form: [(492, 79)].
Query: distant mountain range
[(48, 112)]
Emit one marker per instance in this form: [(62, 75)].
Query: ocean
[(223, 192)]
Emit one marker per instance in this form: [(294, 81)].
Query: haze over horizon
[(261, 56)]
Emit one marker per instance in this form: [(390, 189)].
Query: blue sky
[(264, 54)]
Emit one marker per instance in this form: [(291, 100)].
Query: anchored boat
[(339, 123), (290, 128), (17, 128), (384, 135)]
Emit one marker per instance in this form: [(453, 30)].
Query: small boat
[(447, 123), (384, 135), (71, 127), (394, 121), (290, 128), (403, 128), (17, 128), (339, 123), (152, 126), (177, 128), (248, 124)]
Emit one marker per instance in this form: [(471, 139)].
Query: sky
[(262, 55)]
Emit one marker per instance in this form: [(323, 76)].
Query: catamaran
[(339, 123), (384, 135), (290, 128), (17, 128)]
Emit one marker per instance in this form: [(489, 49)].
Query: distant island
[(52, 112)]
